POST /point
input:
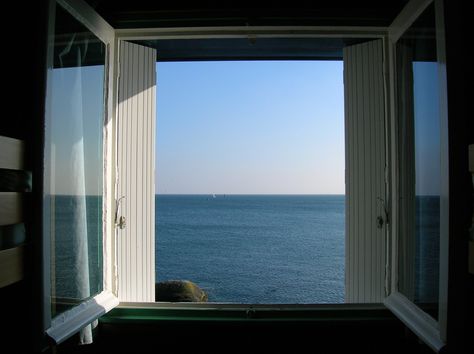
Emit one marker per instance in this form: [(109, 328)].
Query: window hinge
[(119, 221)]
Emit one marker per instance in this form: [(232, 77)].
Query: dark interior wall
[(152, 14), (325, 337), (460, 76), (23, 62), (23, 69)]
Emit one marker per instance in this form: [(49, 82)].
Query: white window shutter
[(135, 172), (365, 172)]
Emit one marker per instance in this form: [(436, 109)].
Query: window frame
[(433, 332), (66, 324), (247, 32)]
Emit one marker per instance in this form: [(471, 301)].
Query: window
[(419, 240), (249, 204), (419, 164), (364, 274), (73, 216), (391, 204), (74, 163)]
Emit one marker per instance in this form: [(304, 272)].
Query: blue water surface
[(254, 248)]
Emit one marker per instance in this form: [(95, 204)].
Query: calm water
[(427, 249), (244, 249), (72, 249), (253, 249)]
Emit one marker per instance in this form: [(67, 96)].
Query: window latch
[(119, 220), (382, 219)]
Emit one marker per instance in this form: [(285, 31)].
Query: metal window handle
[(120, 222), (380, 222), (382, 219)]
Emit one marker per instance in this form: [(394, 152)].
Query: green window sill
[(166, 313)]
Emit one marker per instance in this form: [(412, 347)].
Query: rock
[(179, 291)]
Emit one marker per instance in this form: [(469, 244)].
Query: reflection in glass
[(73, 163), (419, 151)]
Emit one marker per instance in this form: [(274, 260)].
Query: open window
[(419, 232), (77, 247), (248, 206), (365, 126), (396, 165)]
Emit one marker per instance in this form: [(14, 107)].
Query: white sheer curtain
[(77, 183)]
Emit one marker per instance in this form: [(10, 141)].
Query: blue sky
[(261, 127), (77, 116), (250, 127), (427, 128)]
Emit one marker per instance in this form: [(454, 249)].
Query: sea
[(271, 249), (255, 249)]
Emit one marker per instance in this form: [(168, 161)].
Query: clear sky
[(261, 127), (427, 129), (250, 127), (76, 130)]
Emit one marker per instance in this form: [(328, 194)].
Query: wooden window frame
[(433, 332)]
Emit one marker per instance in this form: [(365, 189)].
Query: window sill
[(70, 322), (128, 313)]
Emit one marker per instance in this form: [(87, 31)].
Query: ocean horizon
[(256, 194), (238, 248), (253, 248), (287, 249)]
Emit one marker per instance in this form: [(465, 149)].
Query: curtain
[(76, 186)]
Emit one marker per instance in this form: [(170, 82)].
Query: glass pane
[(419, 143), (73, 163)]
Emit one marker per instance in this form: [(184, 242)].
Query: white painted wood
[(11, 153), (85, 14), (108, 231), (70, 322), (412, 10), (135, 164), (388, 162), (393, 183), (423, 325), (365, 168)]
